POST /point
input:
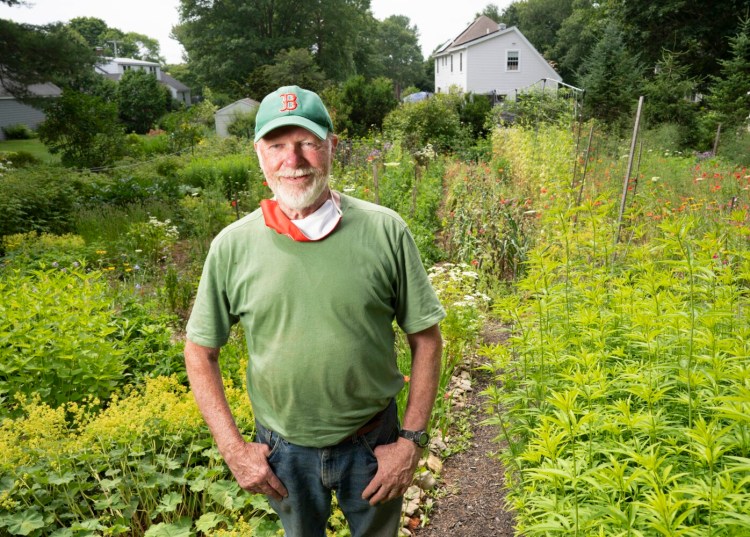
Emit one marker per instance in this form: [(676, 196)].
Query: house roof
[(173, 82), (479, 28), (47, 89), (242, 103)]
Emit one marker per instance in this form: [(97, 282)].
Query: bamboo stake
[(630, 168), (585, 170)]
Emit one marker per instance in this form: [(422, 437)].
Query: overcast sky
[(155, 18)]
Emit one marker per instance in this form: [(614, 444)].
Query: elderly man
[(316, 278)]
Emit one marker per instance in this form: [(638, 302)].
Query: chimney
[(501, 26)]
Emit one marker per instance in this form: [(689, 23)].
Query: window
[(451, 63), (512, 61), (461, 62)]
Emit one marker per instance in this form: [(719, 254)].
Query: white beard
[(298, 197)]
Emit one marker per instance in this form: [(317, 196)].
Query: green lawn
[(35, 147)]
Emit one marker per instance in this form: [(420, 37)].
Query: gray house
[(114, 68), (13, 111)]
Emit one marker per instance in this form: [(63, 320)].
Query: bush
[(243, 125), (18, 131), (432, 121), (34, 250), (83, 129), (19, 159), (37, 199)]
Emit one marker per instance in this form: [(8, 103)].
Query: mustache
[(299, 172)]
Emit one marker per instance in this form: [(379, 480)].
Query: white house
[(114, 68), (225, 116), (488, 58), (14, 112)]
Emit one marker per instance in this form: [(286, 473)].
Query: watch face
[(422, 439)]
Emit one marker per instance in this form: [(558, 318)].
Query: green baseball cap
[(292, 105)]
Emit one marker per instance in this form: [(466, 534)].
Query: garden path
[(473, 480)]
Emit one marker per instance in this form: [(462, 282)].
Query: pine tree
[(730, 92)]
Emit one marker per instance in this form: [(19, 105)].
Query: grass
[(35, 147)]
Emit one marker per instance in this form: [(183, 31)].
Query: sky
[(155, 18)]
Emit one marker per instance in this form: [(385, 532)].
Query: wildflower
[(234, 203), (101, 252), (76, 264), (654, 179), (136, 267), (55, 264), (407, 378), (474, 262)]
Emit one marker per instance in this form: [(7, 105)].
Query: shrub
[(84, 129), (34, 250), (432, 121), (19, 159), (56, 328), (18, 131), (243, 125), (37, 199), (140, 100)]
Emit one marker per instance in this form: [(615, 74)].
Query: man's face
[(296, 164)]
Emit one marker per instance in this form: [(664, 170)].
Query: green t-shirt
[(318, 317)]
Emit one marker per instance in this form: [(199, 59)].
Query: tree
[(540, 20), (38, 54), (401, 58), (491, 11), (668, 93), (291, 67), (698, 29), (83, 129), (227, 40), (611, 78), (368, 101), (141, 100), (730, 92), (576, 38)]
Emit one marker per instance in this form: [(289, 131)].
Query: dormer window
[(512, 60)]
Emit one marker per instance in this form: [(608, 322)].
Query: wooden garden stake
[(630, 168), (716, 139)]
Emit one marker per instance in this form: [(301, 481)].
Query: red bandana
[(275, 219)]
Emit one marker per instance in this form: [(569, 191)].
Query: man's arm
[(397, 461), (247, 460)]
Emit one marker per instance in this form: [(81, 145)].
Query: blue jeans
[(310, 474)]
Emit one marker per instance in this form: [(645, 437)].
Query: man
[(316, 278)]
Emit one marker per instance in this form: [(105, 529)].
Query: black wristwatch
[(421, 438)]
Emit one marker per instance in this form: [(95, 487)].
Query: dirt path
[(474, 504)]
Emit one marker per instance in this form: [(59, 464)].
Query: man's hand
[(396, 465), (249, 465)]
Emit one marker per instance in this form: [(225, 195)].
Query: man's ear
[(334, 142)]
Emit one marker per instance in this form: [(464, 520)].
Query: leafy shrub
[(140, 99), (153, 239), (18, 131), (37, 199), (19, 159), (84, 129), (34, 250), (146, 463), (206, 214), (243, 125), (57, 330), (432, 121)]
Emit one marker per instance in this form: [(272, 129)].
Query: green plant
[(18, 131), (152, 239), (83, 129)]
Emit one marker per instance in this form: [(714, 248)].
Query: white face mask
[(320, 223)]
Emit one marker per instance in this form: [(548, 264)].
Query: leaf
[(259, 502), (24, 523), (209, 521), (183, 528), (168, 503), (226, 493)]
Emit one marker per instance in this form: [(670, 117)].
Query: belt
[(372, 424)]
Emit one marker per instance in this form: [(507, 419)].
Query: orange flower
[(407, 378)]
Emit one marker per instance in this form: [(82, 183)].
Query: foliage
[(141, 100), (243, 125), (226, 42), (294, 66), (611, 77), (432, 121), (145, 465), (473, 112), (98, 35), (40, 54), (83, 129), (361, 104), (18, 131), (402, 58), (35, 199), (18, 159), (57, 332), (152, 239), (729, 94)]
